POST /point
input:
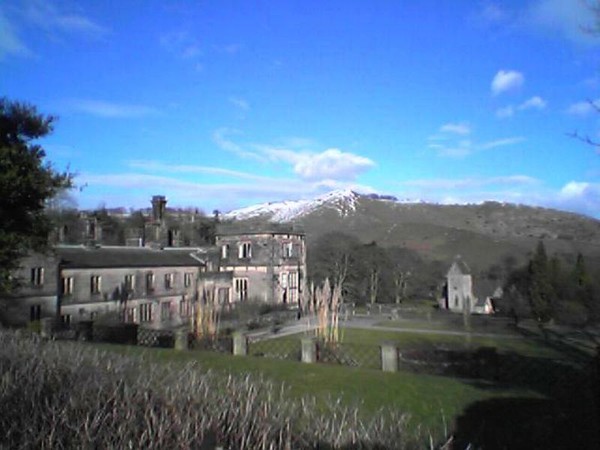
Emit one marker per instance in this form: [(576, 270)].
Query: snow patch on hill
[(343, 201)]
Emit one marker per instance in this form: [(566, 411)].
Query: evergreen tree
[(27, 182), (541, 293)]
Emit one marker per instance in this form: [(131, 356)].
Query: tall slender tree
[(541, 292)]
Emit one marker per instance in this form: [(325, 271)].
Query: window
[(288, 250), (245, 250), (65, 319), (225, 251), (37, 276), (149, 282), (35, 312), (93, 315), (283, 279), (95, 284), (169, 280), (187, 279), (293, 280), (165, 311), (131, 315), (129, 282), (241, 289), (185, 308), (146, 312), (293, 286), (67, 285), (223, 295)]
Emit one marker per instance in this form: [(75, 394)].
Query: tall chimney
[(159, 204)]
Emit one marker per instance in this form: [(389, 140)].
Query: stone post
[(389, 357), (240, 344), (46, 327), (309, 350), (181, 339)]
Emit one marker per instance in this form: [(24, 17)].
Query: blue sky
[(222, 104)]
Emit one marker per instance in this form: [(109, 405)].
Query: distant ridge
[(483, 233), (343, 200)]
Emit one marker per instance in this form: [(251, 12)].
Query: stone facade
[(459, 288), (267, 265), (36, 297), (148, 286), (158, 284)]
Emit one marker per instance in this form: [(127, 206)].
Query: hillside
[(483, 234)]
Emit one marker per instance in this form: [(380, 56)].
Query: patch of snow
[(344, 201)]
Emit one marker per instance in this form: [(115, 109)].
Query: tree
[(541, 292), (27, 182), (330, 257)]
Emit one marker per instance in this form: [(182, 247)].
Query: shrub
[(70, 395)]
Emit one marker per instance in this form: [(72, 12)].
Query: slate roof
[(248, 228), (108, 257)]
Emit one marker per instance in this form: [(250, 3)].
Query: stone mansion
[(153, 281)]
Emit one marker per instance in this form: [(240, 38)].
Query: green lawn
[(428, 399), (521, 346)]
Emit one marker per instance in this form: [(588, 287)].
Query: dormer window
[(245, 250)]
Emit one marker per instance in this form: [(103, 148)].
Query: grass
[(428, 399), (70, 395), (405, 340), (543, 409)]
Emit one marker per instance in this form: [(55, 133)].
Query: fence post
[(46, 327), (240, 343), (309, 350), (389, 357), (181, 339)]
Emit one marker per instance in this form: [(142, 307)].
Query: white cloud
[(567, 18), (331, 164), (109, 187), (503, 113), (501, 142), (222, 138), (50, 18), (463, 183), (574, 196), (506, 81), (492, 13), (583, 108), (239, 103), (105, 109), (160, 167), (535, 102), (181, 44), (10, 42), (582, 197), (462, 128), (453, 144)]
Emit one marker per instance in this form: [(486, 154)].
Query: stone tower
[(459, 287)]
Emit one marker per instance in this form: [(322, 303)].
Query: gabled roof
[(459, 267), (108, 257)]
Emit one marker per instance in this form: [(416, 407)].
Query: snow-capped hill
[(344, 201)]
